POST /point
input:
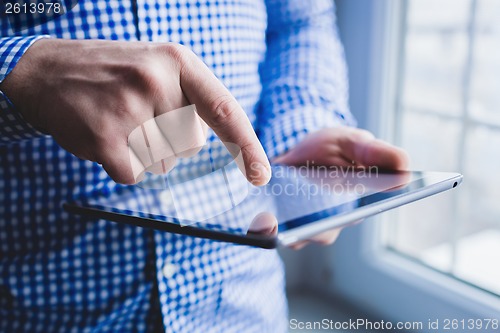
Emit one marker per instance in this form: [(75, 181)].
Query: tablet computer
[(213, 200)]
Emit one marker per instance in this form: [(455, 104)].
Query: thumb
[(375, 152)]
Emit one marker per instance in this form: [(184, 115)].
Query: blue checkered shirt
[(283, 62)]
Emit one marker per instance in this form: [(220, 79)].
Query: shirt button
[(168, 270)]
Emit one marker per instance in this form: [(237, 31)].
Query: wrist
[(22, 85)]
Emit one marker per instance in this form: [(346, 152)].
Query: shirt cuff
[(13, 127), (12, 49)]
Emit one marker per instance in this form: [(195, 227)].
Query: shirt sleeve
[(12, 125), (304, 75)]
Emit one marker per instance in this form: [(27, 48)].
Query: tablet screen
[(216, 195)]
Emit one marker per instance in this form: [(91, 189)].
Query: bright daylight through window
[(448, 118)]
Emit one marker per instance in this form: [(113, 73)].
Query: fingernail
[(260, 174)]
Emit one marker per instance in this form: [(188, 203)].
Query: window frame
[(362, 269)]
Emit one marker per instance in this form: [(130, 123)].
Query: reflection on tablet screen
[(208, 191)]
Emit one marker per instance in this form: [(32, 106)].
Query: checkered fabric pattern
[(283, 62)]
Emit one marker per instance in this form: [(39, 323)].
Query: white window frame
[(360, 267)]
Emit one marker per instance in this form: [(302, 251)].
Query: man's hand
[(90, 95), (343, 146)]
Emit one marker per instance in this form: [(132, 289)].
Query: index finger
[(220, 110)]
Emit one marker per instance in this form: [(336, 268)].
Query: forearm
[(304, 75)]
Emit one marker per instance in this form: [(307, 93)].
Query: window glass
[(449, 120)]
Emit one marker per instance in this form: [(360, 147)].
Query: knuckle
[(143, 75), (178, 56), (146, 76), (132, 73), (175, 51), (223, 111), (124, 109)]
